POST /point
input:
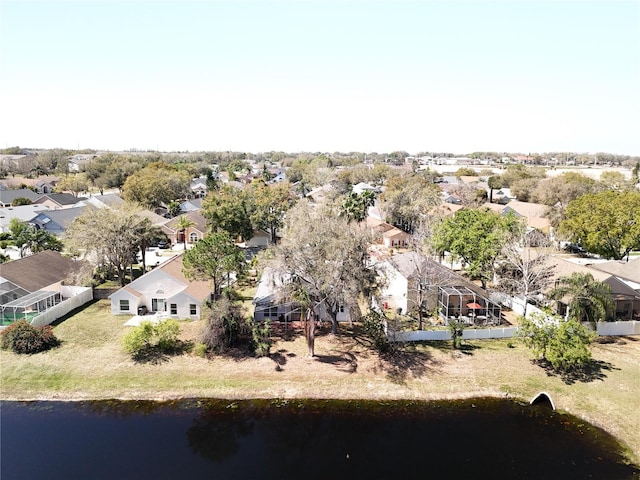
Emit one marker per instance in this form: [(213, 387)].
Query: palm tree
[(589, 299), (182, 225)]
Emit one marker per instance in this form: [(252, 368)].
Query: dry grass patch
[(91, 364)]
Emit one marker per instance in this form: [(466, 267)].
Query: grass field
[(90, 364)]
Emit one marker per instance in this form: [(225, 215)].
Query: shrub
[(21, 337), (200, 350), (225, 327), (562, 343), (161, 337), (138, 339), (167, 334), (373, 323), (456, 328), (261, 334)]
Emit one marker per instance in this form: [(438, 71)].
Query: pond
[(301, 439)]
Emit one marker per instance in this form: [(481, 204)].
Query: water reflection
[(302, 439)]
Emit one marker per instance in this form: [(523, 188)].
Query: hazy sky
[(321, 76)]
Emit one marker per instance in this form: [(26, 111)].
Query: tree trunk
[(310, 331), (334, 322), (143, 251)]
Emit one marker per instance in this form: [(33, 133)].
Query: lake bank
[(90, 364)]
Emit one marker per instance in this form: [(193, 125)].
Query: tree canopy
[(228, 209), (269, 205), (329, 256), (113, 236), (29, 239), (406, 198), (155, 184), (589, 300), (475, 236), (605, 223), (213, 258), (562, 343)]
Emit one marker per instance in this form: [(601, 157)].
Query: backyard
[(91, 364)]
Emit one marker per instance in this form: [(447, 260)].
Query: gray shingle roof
[(38, 271)]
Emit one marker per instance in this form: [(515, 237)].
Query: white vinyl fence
[(603, 329), (467, 334), (75, 297), (619, 328)]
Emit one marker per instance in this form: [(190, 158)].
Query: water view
[(479, 438)]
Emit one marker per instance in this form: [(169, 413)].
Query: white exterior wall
[(183, 301), (134, 302), (396, 290)]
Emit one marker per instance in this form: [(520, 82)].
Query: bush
[(201, 350), (562, 343), (225, 327), (374, 328), (21, 337), (456, 328), (261, 334), (161, 337)]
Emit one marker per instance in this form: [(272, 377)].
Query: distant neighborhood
[(425, 240)]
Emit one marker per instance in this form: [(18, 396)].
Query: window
[(157, 305), (193, 237), (273, 311), (173, 308), (192, 309), (124, 305), (341, 308)]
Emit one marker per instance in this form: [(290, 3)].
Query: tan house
[(625, 292), (192, 234)]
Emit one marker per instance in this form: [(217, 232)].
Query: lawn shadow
[(468, 348), (280, 358), (155, 355), (406, 361), (344, 361), (592, 371)]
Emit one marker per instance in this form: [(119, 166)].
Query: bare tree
[(524, 268)]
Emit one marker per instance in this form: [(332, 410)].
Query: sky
[(321, 76)]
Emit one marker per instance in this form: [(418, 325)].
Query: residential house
[(24, 213), (192, 234), (414, 281), (57, 201), (191, 205), (164, 290), (396, 238), (41, 184), (76, 162), (533, 213), (7, 197), (56, 222), (279, 175), (199, 187), (623, 280), (270, 306), (108, 200), (46, 184), (387, 234), (32, 285)]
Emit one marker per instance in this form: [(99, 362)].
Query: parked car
[(575, 248), (164, 244)]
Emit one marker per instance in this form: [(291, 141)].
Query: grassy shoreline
[(90, 365)]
